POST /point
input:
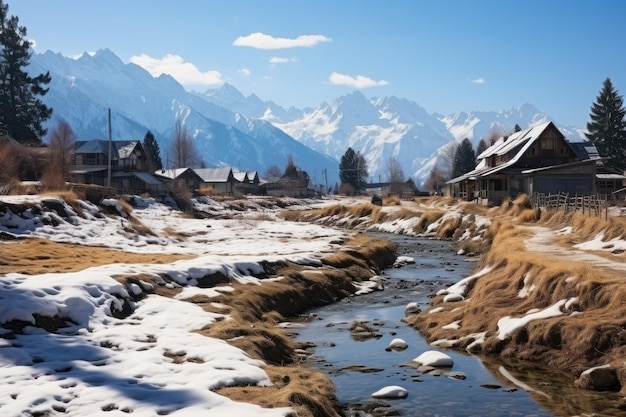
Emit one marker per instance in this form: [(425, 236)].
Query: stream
[(474, 386)]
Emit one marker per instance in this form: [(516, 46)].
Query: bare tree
[(395, 175), (435, 181), (182, 152), (273, 173), (495, 133), (445, 160), (60, 156)]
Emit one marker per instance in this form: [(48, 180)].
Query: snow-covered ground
[(106, 366), (102, 365)]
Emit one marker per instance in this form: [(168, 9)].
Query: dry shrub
[(587, 226), (392, 200), (448, 227), (427, 218), (529, 215), (125, 206), (52, 178), (365, 251), (362, 210)]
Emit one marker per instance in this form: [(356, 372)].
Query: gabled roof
[(524, 138), (172, 173), (241, 176), (222, 174), (521, 140), (121, 149)]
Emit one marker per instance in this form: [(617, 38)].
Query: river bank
[(244, 270), (521, 303)]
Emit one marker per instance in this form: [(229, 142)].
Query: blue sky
[(448, 56)]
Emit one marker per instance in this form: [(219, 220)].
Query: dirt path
[(543, 240)]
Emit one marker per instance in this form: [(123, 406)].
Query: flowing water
[(474, 386)]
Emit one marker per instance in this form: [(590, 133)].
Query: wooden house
[(248, 182), (221, 180), (535, 160), (609, 182), (128, 166), (180, 179), (293, 183)]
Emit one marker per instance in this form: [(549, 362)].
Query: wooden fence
[(589, 204)]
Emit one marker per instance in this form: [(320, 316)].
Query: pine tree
[(607, 128), (353, 170), (464, 159), (153, 152), (21, 110)]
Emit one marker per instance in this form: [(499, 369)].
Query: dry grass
[(522, 281), (38, 256), (392, 200), (427, 218), (309, 393)]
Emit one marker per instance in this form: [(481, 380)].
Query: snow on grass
[(528, 288), (509, 325), (458, 290), (599, 244), (151, 362)]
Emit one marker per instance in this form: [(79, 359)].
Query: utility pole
[(110, 151)]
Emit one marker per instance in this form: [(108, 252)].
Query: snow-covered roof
[(524, 137), (241, 176), (171, 173), (221, 174), (121, 149)]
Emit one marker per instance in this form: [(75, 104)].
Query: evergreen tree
[(482, 147), (464, 159), (153, 152), (607, 128), (353, 170), (21, 110)]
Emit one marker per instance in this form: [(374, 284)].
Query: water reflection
[(489, 387)]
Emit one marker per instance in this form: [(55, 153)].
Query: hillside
[(249, 133)]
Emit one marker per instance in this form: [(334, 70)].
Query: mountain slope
[(82, 91), (251, 134)]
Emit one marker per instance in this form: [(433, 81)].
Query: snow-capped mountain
[(83, 90), (249, 133)]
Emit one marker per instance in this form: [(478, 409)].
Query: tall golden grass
[(588, 333)]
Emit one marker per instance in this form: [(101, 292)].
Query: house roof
[(524, 137), (222, 174), (241, 176), (521, 140), (121, 149), (171, 173), (148, 178)]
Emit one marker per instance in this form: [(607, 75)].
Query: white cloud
[(480, 80), (260, 40), (245, 72), (278, 60), (185, 73), (360, 81)]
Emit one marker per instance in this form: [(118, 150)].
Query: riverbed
[(359, 364)]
